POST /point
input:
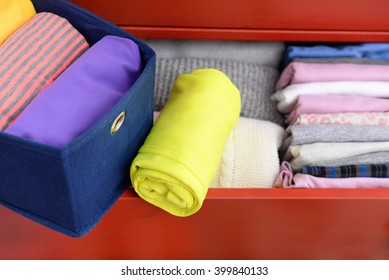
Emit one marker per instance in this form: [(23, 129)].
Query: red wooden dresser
[(233, 223)]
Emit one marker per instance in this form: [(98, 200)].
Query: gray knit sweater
[(255, 82)]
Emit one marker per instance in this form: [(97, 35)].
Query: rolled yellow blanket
[(13, 14), (180, 156)]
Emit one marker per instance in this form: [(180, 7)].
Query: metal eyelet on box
[(117, 123)]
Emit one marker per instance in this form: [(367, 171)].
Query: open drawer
[(233, 223)]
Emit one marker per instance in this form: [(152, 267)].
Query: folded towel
[(255, 82), (323, 104), (347, 171), (261, 53), (13, 14), (31, 58), (299, 73), (287, 97), (82, 94), (370, 158), (306, 154), (286, 179), (180, 156), (250, 158), (351, 119), (364, 50)]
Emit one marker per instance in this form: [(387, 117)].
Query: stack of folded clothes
[(336, 111), (53, 86), (250, 158)]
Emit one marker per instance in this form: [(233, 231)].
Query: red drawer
[(300, 20), (233, 223)]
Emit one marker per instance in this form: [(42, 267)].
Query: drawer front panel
[(333, 20)]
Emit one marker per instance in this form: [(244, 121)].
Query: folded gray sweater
[(258, 52), (255, 82)]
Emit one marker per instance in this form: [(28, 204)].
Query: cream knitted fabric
[(250, 158)]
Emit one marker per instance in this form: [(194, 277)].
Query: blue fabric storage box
[(70, 188)]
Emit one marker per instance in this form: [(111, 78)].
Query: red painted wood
[(257, 34), (300, 20), (232, 224)]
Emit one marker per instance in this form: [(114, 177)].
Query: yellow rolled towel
[(180, 156), (13, 14)]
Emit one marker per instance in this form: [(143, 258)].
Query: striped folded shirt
[(348, 171), (32, 57)]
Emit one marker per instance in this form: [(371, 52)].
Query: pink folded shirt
[(286, 180), (298, 73), (327, 104)]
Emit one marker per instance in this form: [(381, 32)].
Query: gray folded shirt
[(255, 82), (305, 134)]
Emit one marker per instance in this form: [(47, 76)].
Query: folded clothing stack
[(254, 81), (54, 87), (250, 158), (335, 106), (32, 58), (251, 66)]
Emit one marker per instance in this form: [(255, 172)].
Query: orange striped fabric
[(32, 57)]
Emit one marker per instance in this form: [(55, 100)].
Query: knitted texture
[(258, 52), (250, 158), (255, 82)]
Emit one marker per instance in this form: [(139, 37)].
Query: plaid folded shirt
[(347, 171)]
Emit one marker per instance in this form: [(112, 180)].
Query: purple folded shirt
[(82, 94)]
